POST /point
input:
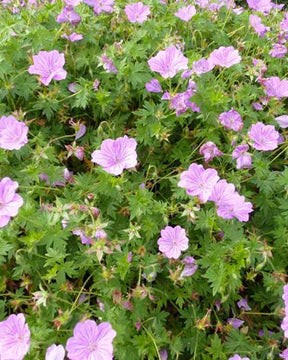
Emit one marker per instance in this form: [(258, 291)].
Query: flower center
[(92, 347)]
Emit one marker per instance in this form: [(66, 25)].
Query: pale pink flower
[(168, 62), (231, 120), (198, 181), (55, 352), (137, 13), (173, 240), (202, 66), (9, 200), (264, 137), (209, 150), (13, 133), (186, 12), (116, 155), (282, 121), (276, 87), (225, 57), (244, 159)]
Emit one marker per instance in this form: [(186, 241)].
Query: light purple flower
[(173, 240), (81, 131), (236, 323), (237, 357), (137, 13), (13, 133), (284, 23), (85, 239), (264, 137), (186, 12), (282, 121), (284, 326), (225, 57), (279, 51), (276, 87), (163, 354), (55, 352), (231, 120), (190, 266), (198, 181), (153, 86), (209, 150), (116, 155), (91, 341), (49, 65), (15, 337), (72, 87), (73, 37), (186, 74), (9, 200), (168, 62), (229, 203), (72, 2), (166, 96), (263, 6), (257, 106), (244, 159), (101, 5), (181, 103), (202, 66), (68, 15), (107, 64), (96, 84), (256, 23), (242, 304), (284, 354)]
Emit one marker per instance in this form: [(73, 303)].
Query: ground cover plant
[(144, 180)]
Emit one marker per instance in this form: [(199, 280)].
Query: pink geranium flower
[(186, 12), (55, 352), (9, 200), (256, 23), (276, 87), (15, 338), (91, 341), (168, 62), (264, 137), (263, 6), (278, 51), (153, 86), (198, 181), (137, 13), (202, 66), (225, 57), (68, 15), (116, 155), (13, 133), (237, 357), (209, 150), (231, 120), (190, 266), (244, 159), (49, 65), (173, 240), (282, 121)]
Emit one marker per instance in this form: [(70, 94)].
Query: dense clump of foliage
[(175, 266)]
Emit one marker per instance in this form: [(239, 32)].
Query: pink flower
[(55, 352), (102, 5), (91, 341), (209, 150), (190, 266), (222, 192), (168, 62), (225, 56), (9, 200), (237, 357), (108, 64), (15, 338), (137, 13), (264, 137), (116, 155), (153, 86), (242, 304), (186, 12), (282, 121), (199, 181), (279, 51), (256, 23), (72, 2), (49, 65), (68, 15), (244, 159), (231, 120), (284, 354), (172, 241), (202, 66), (236, 323), (13, 133), (181, 103), (276, 87), (73, 37), (263, 6)]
